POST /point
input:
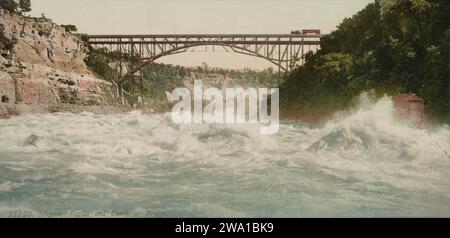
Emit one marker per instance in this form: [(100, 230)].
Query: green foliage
[(9, 5), (158, 78), (99, 61), (13, 6), (25, 5), (70, 28), (391, 46)]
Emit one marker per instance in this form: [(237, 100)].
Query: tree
[(70, 28), (99, 61), (13, 6), (391, 47), (25, 5), (9, 5), (416, 9)]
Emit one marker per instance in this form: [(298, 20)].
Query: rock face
[(41, 63)]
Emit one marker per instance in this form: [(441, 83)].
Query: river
[(366, 163)]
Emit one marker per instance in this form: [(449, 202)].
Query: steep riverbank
[(42, 69)]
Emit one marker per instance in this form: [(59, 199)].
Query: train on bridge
[(306, 32)]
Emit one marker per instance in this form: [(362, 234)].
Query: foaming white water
[(364, 163)]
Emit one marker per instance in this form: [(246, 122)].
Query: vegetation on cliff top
[(13, 6), (392, 46)]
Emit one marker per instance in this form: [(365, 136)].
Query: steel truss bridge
[(136, 51)]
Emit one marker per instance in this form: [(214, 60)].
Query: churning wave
[(366, 163)]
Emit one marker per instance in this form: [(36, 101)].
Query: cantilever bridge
[(283, 50)]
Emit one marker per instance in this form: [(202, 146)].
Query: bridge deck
[(283, 50), (207, 36), (202, 42), (283, 39)]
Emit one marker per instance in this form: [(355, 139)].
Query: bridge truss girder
[(136, 51)]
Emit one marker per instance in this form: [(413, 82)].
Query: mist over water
[(366, 163)]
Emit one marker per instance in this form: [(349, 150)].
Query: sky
[(199, 17)]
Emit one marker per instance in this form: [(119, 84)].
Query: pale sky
[(198, 17)]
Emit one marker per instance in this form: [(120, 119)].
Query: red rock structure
[(410, 106)]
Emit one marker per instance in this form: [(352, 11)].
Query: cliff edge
[(42, 69)]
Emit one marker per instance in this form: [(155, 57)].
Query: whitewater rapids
[(367, 163)]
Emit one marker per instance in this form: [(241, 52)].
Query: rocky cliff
[(43, 64)]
